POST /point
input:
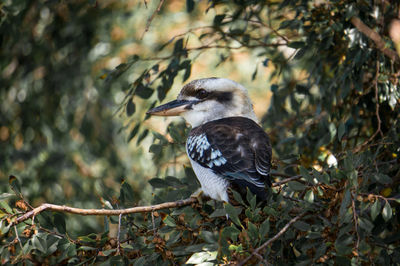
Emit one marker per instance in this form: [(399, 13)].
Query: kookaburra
[(226, 147)]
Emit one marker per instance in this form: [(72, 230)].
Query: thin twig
[(118, 235), (261, 259), (279, 234), (204, 47), (355, 218), (152, 17), (154, 224), (379, 196), (286, 180), (17, 236)]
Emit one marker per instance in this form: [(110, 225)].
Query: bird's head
[(208, 99)]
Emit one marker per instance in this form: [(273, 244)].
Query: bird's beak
[(172, 108)]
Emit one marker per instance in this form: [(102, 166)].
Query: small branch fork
[(142, 209), (274, 238)]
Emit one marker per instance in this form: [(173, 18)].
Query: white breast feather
[(212, 185)]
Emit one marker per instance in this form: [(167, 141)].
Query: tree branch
[(141, 209), (376, 38), (279, 234), (286, 180)]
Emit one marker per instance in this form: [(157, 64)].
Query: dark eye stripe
[(221, 96)]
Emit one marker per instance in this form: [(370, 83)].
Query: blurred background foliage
[(78, 76)]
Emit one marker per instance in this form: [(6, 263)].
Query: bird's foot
[(198, 194)]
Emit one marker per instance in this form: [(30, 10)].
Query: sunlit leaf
[(309, 197), (387, 212)]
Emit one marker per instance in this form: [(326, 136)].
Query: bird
[(227, 148)]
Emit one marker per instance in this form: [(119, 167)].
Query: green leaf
[(134, 131), (15, 185), (264, 228), (237, 197), (4, 228), (342, 244), (309, 197), (253, 231), (106, 224), (59, 222), (86, 248), (306, 175), (302, 226), (365, 224), (375, 209), (324, 178), (383, 179), (142, 136), (233, 213), (201, 257), (172, 181), (143, 91), (387, 212), (130, 108), (156, 149), (218, 213), (345, 203), (341, 131), (168, 220), (126, 193), (232, 232), (140, 261), (4, 205), (296, 45), (91, 238), (4, 196), (253, 202), (158, 183), (332, 130), (39, 242), (352, 176), (296, 186), (218, 19), (348, 164)]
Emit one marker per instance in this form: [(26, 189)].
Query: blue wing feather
[(235, 148)]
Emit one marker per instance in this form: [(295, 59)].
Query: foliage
[(333, 121)]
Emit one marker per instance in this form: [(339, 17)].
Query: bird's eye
[(201, 94)]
